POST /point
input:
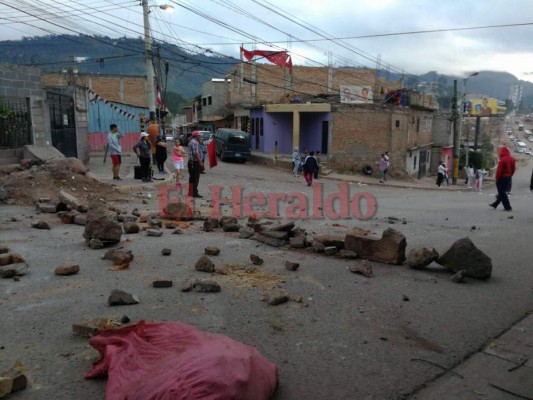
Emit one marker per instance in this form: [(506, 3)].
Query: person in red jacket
[(504, 172)]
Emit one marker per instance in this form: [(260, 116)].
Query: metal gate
[(15, 122), (62, 124), (422, 164)]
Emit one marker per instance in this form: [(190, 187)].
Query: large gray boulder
[(464, 255), (101, 224)]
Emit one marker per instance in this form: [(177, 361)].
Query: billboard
[(484, 106), (356, 94)]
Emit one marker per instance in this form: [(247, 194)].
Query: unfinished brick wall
[(361, 133), (123, 89), (306, 82)]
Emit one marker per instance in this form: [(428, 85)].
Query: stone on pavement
[(154, 232), (459, 277), (212, 250), (289, 226), (246, 233), (277, 297), (256, 260), (421, 257), (330, 250), (204, 285), (46, 208), (119, 256), (464, 255), (389, 249), (229, 227), (166, 252), (73, 202), (297, 242), (362, 267), (204, 264), (100, 224), (121, 298), (13, 380), (67, 269), (40, 225), (291, 266), (162, 284), (330, 240), (131, 227), (96, 244), (347, 254)]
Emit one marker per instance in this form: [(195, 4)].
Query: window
[(414, 163), (204, 101), (209, 100), (253, 127), (397, 123), (261, 127)]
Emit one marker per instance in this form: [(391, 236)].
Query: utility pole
[(455, 117), (150, 89)]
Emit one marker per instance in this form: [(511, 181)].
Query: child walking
[(178, 154)]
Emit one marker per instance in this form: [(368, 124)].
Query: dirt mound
[(26, 186)]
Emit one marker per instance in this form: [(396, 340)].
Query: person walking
[(115, 149), (161, 153), (178, 159), (317, 156), (479, 182), (143, 150), (296, 162), (441, 173), (386, 157), (469, 175), (309, 167), (504, 172), (383, 165), (194, 164)]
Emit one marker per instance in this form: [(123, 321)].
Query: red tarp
[(175, 361), (281, 58), (212, 154)]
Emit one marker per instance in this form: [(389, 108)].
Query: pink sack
[(175, 361)]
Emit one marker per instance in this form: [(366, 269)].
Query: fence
[(15, 122)]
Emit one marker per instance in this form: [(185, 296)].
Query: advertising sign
[(484, 106), (356, 94)]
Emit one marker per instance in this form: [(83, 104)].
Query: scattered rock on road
[(362, 267), (256, 260), (464, 255), (208, 286), (67, 269), (459, 277), (204, 264), (130, 227), (121, 298), (166, 252), (291, 266), (389, 249), (40, 225), (212, 250), (162, 284), (154, 232), (13, 380), (421, 257)]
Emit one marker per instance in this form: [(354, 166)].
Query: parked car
[(232, 144)]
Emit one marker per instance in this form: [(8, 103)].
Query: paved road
[(350, 338)]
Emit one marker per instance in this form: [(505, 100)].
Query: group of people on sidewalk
[(307, 163), (155, 149)]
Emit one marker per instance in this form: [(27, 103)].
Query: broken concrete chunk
[(212, 250), (208, 226), (208, 286), (154, 232), (46, 208), (227, 227), (464, 255), (289, 226), (80, 219), (277, 297), (421, 257), (121, 298), (166, 252), (13, 380), (291, 266), (255, 259), (246, 233), (67, 269), (389, 249), (227, 220), (130, 227), (330, 250), (459, 277), (96, 244), (204, 264), (186, 286), (40, 225), (119, 256), (330, 240), (297, 242), (318, 247), (362, 267), (100, 223), (4, 248), (347, 254)]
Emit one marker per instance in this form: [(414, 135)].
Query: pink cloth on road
[(175, 361)]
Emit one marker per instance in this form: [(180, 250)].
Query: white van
[(521, 147)]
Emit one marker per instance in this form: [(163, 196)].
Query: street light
[(461, 117), (150, 88)]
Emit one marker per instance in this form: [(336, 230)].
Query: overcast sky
[(370, 30)]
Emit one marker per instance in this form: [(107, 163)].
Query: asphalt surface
[(350, 337)]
